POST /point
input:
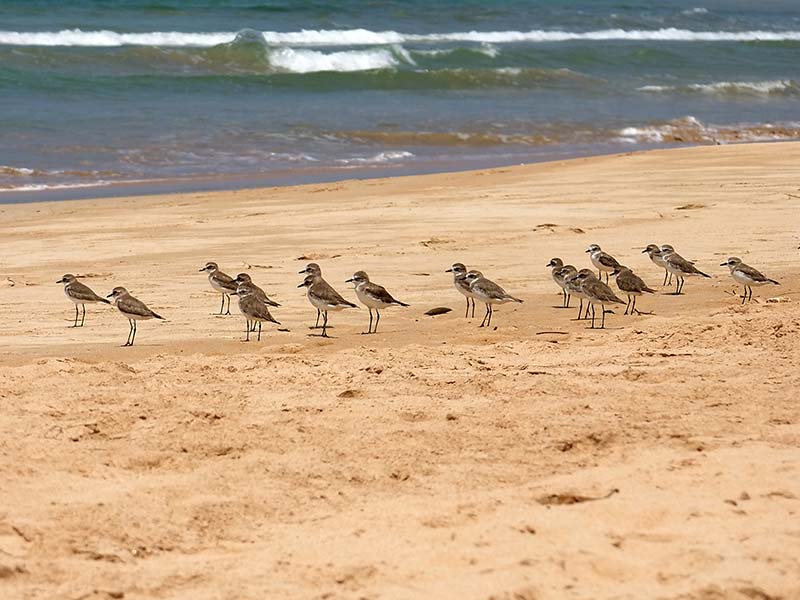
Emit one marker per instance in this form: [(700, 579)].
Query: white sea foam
[(381, 157), (311, 61), (365, 37), (778, 86), (695, 11)]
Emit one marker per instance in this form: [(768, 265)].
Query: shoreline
[(434, 459)]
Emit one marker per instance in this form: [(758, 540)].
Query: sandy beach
[(539, 459)]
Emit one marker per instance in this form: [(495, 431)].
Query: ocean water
[(214, 93)]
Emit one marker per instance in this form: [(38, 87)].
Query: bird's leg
[(580, 310), (627, 305), (369, 327), (222, 304), (83, 314), (247, 331), (665, 278), (588, 306), (491, 312), (587, 311), (259, 331), (466, 312), (377, 320), (325, 323), (569, 297), (603, 320), (633, 309), (473, 308), (227, 312), (316, 323), (76, 316), (485, 316)]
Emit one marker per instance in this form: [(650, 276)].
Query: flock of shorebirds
[(584, 284)]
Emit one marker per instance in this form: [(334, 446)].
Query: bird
[(632, 285), (489, 293), (260, 294), (221, 282), (681, 268), (597, 292), (559, 273), (573, 284), (460, 282), (746, 276), (657, 256), (253, 308), (372, 296), (603, 261), (313, 269), (323, 297), (133, 308), (79, 293)]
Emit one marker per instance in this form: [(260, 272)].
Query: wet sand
[(659, 458)]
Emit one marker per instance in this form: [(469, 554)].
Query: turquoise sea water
[(110, 91)]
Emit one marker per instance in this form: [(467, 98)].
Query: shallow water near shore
[(199, 91)]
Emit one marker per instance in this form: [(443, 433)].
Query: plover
[(603, 261), (133, 309), (313, 269), (632, 285), (573, 284), (253, 308), (221, 282), (244, 278), (489, 293), (597, 292), (372, 296), (746, 276), (324, 298), (559, 273), (460, 282), (79, 294), (681, 268), (657, 256)]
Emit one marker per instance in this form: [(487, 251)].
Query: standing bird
[(559, 273), (657, 256), (603, 261), (573, 283), (746, 276), (323, 297), (597, 292), (460, 282), (489, 293), (244, 284), (632, 285), (313, 269), (134, 309), (253, 308), (221, 282), (681, 268), (79, 293), (372, 296)]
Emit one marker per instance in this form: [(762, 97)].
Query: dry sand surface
[(659, 458)]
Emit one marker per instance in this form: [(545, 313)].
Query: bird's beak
[(645, 251), (233, 294), (201, 270), (349, 280), (302, 284), (111, 294), (60, 281), (723, 264), (449, 271), (303, 271), (587, 251)]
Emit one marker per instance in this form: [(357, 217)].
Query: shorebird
[(746, 276), (603, 261), (657, 256), (460, 282), (253, 308), (597, 292), (573, 284), (559, 273), (79, 293), (489, 293), (372, 296), (681, 268), (313, 269), (632, 285), (221, 282), (324, 298), (133, 309)]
